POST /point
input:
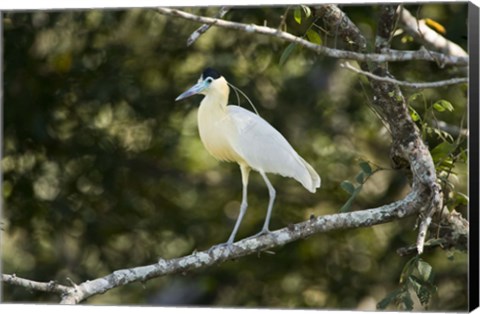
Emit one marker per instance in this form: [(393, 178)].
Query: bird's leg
[(243, 207), (272, 194), (243, 210)]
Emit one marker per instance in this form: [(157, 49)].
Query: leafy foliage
[(416, 276), (310, 34), (361, 178)]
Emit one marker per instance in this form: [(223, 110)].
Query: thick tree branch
[(341, 25), (415, 85), (408, 149), (407, 140), (408, 206), (386, 55)]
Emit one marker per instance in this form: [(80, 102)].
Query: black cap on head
[(209, 72)]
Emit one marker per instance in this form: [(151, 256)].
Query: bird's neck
[(217, 98)]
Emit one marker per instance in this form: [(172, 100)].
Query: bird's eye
[(209, 80)]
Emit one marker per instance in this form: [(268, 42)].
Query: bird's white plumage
[(265, 149), (232, 133)]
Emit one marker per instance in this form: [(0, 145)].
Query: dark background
[(102, 170)]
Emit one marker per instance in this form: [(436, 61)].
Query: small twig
[(283, 23), (416, 85), (51, 286), (205, 27)]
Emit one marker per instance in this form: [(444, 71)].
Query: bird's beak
[(195, 89)]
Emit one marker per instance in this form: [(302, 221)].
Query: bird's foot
[(256, 235), (227, 245)]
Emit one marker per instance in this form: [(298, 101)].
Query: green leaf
[(347, 186), (348, 204), (365, 167), (407, 300), (287, 52), (423, 295), (297, 15), (414, 96), (314, 37), (442, 151), (461, 198), (406, 39), (407, 269), (438, 107), (424, 270), (414, 114), (360, 178), (392, 296), (423, 289), (443, 105)]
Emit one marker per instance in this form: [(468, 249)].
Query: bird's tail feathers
[(312, 180)]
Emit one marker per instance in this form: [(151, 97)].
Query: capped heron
[(232, 133)]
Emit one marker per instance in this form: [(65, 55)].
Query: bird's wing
[(265, 149)]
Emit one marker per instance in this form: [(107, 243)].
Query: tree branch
[(423, 34), (51, 286), (205, 27), (408, 149), (385, 56), (408, 206), (452, 233), (415, 85), (429, 38), (342, 26)]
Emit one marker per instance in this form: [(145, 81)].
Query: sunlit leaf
[(297, 15), (306, 10), (314, 37), (414, 115), (443, 105), (436, 26), (406, 39), (424, 270)]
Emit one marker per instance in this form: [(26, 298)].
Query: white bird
[(232, 133)]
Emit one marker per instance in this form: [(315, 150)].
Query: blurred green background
[(102, 170)]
